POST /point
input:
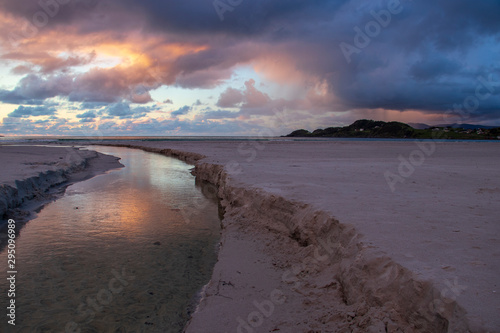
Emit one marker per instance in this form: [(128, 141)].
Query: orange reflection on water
[(126, 219)]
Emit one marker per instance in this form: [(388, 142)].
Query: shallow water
[(126, 251)]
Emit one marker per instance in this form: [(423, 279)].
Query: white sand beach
[(316, 239)]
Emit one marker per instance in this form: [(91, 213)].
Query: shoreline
[(288, 264), (368, 288), (34, 176)]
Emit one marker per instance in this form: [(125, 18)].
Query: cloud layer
[(325, 62)]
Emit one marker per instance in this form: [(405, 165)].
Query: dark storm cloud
[(185, 17), (448, 22), (451, 24), (54, 12), (427, 55), (424, 59), (236, 17), (427, 69)]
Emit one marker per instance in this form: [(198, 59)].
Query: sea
[(111, 139)]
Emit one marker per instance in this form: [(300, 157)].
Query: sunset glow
[(148, 68)]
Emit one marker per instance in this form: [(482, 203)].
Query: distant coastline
[(365, 128)]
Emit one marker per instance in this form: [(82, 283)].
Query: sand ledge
[(325, 255), (36, 179)]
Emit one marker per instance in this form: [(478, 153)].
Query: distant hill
[(365, 128), (419, 125), (361, 129), (465, 126)]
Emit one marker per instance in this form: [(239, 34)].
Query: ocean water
[(127, 251), (111, 139)]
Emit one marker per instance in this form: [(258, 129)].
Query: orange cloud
[(124, 67)]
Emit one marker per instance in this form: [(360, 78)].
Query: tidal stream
[(126, 251)]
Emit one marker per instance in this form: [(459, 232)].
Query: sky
[(244, 67)]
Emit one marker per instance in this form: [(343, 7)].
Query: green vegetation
[(365, 128)]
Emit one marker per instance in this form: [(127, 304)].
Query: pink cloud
[(230, 98)]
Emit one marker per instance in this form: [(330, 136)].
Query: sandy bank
[(30, 174), (351, 236)]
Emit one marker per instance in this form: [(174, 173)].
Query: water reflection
[(117, 253)]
